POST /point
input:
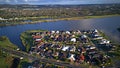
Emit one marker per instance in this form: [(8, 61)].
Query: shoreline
[(59, 19), (5, 42)]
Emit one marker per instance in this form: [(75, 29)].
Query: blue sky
[(41, 2)]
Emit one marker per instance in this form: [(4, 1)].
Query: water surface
[(107, 25)]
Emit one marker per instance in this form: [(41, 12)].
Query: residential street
[(51, 61)]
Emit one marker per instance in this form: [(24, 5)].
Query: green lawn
[(5, 42), (26, 40), (6, 60), (2, 62)]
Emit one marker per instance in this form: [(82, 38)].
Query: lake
[(108, 25)]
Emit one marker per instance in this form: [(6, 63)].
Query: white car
[(21, 58)]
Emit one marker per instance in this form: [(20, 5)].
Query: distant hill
[(54, 6)]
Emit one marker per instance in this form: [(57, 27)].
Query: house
[(88, 47), (83, 36), (104, 41), (83, 50), (65, 48), (97, 36), (52, 32), (84, 39), (37, 40), (37, 37), (67, 32), (73, 36), (57, 32), (79, 49), (71, 57), (95, 31), (72, 48), (82, 58), (73, 40), (78, 32), (56, 54), (92, 47), (21, 58)]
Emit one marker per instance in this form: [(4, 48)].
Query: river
[(108, 25)]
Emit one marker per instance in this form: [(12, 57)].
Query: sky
[(42, 2)]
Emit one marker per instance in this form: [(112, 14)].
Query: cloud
[(16, 1), (58, 1), (8, 1), (26, 0), (32, 0)]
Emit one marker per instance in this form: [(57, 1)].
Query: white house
[(52, 32), (95, 31), (37, 39), (65, 48), (71, 57), (57, 32), (83, 36), (104, 41), (72, 48), (73, 40), (67, 32), (92, 47)]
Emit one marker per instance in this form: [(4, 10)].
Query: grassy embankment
[(6, 59), (5, 42), (27, 40), (33, 19)]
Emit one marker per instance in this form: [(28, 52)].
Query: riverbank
[(6, 59), (5, 42), (52, 20)]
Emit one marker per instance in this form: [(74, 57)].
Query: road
[(51, 61)]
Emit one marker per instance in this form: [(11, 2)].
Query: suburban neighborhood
[(81, 47), (59, 34)]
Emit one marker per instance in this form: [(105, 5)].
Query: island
[(84, 48)]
